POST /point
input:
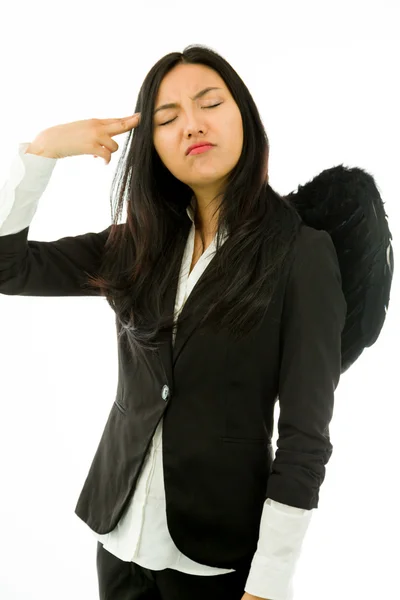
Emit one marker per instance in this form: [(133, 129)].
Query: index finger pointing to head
[(118, 126), (128, 123), (108, 121), (125, 121)]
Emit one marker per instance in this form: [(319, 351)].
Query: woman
[(184, 495)]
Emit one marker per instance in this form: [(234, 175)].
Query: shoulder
[(314, 254), (313, 289), (308, 235), (310, 240)]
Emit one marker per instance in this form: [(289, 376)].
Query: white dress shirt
[(142, 535)]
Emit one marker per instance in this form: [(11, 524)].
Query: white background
[(325, 79)]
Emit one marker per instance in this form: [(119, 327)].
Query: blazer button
[(165, 392)]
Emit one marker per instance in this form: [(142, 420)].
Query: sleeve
[(33, 268), (59, 268), (19, 196), (282, 531), (313, 318)]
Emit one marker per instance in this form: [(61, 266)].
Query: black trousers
[(120, 580)]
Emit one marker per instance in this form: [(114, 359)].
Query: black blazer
[(216, 396)]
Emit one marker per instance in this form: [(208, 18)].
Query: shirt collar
[(191, 208)]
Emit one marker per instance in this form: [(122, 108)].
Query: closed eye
[(213, 106)]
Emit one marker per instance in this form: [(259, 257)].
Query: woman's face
[(192, 121)]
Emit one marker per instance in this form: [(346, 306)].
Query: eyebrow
[(175, 105)]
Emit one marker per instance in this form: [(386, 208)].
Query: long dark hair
[(142, 256)]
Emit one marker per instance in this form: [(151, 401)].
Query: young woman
[(225, 302)]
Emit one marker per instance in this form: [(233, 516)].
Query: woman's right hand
[(90, 136)]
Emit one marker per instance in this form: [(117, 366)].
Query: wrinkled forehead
[(186, 80)]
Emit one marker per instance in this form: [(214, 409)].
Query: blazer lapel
[(194, 306)]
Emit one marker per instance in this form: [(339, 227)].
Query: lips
[(198, 146)]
